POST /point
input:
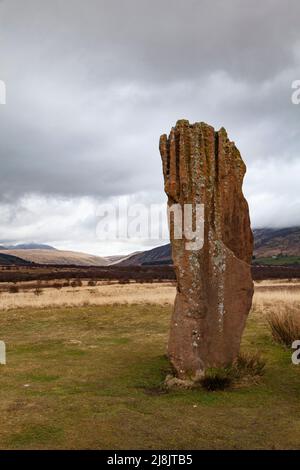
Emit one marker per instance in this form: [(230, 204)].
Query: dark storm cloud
[(91, 86)]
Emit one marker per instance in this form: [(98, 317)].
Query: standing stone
[(214, 284)]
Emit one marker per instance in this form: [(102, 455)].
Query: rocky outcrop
[(214, 285)]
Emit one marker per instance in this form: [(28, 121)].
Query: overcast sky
[(92, 85)]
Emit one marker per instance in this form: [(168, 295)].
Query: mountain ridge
[(268, 242)]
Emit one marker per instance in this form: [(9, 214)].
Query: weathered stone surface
[(214, 284)]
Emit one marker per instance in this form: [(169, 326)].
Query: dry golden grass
[(279, 302), (277, 297), (278, 283), (285, 326), (267, 297), (134, 293), (270, 296), (276, 304)]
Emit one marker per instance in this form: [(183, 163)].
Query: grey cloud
[(90, 87)]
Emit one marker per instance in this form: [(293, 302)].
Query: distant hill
[(8, 260), (116, 259), (53, 256), (159, 255), (27, 246), (268, 242), (33, 246), (277, 242)]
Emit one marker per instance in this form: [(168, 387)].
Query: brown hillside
[(58, 257)]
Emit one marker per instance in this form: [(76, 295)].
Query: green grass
[(90, 378)]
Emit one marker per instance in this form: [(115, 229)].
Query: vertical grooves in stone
[(217, 155), (217, 216), (188, 153), (177, 153), (168, 157), (214, 176)]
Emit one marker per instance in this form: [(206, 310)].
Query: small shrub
[(216, 379), (76, 283), (13, 289), (285, 327), (92, 283), (57, 285), (38, 290)]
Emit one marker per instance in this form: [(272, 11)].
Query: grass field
[(279, 261), (89, 377)]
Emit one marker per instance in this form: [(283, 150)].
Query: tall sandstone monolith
[(214, 284)]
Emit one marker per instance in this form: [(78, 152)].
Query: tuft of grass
[(216, 379), (285, 326), (247, 365)]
